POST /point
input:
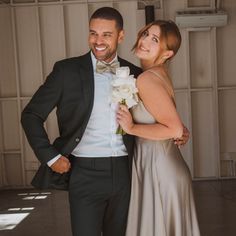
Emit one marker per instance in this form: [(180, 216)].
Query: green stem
[(119, 129)]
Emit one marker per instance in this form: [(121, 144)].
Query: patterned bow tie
[(104, 67)]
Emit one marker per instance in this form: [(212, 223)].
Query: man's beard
[(103, 57)]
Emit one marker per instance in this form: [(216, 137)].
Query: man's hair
[(109, 13)]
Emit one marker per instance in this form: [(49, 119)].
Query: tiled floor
[(48, 212)]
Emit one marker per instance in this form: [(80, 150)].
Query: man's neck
[(106, 62)]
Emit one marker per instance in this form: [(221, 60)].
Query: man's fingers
[(62, 165)]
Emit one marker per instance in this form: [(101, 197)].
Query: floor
[(47, 214)]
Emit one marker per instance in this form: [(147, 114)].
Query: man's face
[(104, 38)]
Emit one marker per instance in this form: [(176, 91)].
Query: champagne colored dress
[(162, 201)]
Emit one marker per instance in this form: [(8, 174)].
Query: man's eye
[(107, 35)]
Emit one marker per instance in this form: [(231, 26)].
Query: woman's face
[(149, 47)]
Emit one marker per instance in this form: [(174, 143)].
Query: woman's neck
[(147, 65)]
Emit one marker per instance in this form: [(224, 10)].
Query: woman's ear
[(168, 54)]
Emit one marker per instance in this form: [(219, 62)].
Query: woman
[(162, 202)]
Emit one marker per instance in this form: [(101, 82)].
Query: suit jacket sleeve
[(37, 111)]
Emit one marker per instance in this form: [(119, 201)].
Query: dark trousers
[(99, 194)]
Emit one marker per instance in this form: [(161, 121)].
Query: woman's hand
[(184, 139), (125, 119)]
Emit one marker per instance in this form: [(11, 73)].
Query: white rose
[(129, 80), (125, 92), (122, 72)]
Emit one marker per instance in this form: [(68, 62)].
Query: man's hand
[(184, 139), (62, 165)]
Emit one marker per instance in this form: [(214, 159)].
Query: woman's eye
[(155, 40), (145, 33)]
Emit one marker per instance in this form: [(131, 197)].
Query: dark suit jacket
[(69, 88)]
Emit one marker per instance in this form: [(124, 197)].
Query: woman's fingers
[(123, 112), (124, 118), (123, 108)]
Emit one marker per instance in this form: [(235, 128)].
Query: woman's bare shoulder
[(151, 76)]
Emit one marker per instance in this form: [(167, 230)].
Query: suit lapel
[(87, 78), (121, 61)]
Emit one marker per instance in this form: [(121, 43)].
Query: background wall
[(34, 34)]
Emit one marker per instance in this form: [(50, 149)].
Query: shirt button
[(77, 140)]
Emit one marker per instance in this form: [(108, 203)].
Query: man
[(99, 187), (87, 154)]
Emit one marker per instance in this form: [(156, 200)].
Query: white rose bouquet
[(124, 90)]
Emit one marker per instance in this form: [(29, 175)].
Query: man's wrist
[(53, 160)]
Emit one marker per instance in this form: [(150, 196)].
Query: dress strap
[(167, 83)]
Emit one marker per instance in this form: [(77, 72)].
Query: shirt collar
[(94, 60)]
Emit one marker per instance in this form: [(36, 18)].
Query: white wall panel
[(199, 3), (226, 54), (10, 123), (7, 62), (23, 1), (28, 49), (13, 170), (53, 46), (52, 35), (226, 50), (99, 2), (76, 29), (200, 59), (2, 168), (178, 63), (130, 27), (171, 6), (204, 148), (177, 67), (227, 115)]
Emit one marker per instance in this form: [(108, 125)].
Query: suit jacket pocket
[(45, 178)]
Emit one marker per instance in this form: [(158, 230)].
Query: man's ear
[(121, 36)]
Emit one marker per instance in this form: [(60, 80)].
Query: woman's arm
[(158, 102)]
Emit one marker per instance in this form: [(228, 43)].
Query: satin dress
[(162, 201)]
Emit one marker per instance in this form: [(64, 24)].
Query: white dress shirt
[(100, 138)]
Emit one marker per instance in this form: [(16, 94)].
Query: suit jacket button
[(77, 140)]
